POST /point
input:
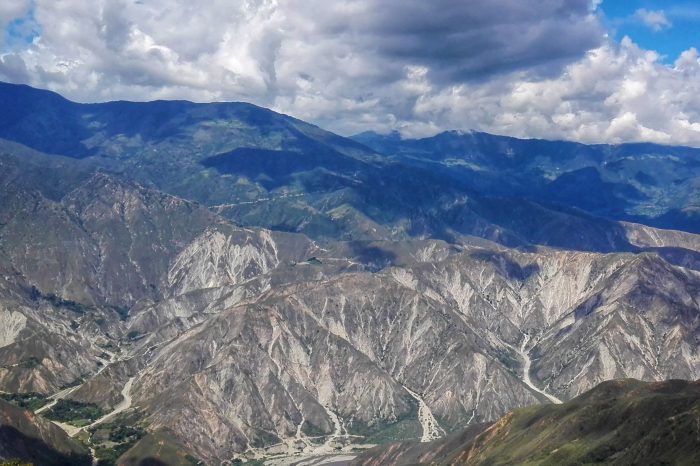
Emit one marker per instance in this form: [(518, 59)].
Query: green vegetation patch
[(407, 429), (122, 311), (14, 462), (59, 302), (74, 412), (29, 363), (312, 430), (111, 440), (404, 428), (108, 456), (622, 422), (509, 362), (120, 434), (30, 401)]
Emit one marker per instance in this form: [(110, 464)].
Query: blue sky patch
[(668, 28), (21, 32)]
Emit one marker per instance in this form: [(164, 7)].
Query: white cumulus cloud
[(655, 20)]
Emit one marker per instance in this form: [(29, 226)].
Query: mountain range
[(237, 284)]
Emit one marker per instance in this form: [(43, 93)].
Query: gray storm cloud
[(466, 40), (521, 67)]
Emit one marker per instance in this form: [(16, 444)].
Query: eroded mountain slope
[(266, 338)]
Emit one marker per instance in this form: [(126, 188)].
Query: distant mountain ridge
[(260, 168), (641, 182)]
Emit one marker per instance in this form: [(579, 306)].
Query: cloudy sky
[(586, 70)]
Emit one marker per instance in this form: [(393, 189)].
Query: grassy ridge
[(621, 422)]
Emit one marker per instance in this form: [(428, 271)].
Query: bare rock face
[(105, 243), (583, 318), (45, 355), (643, 323), (452, 329), (349, 347), (227, 256), (137, 232)]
